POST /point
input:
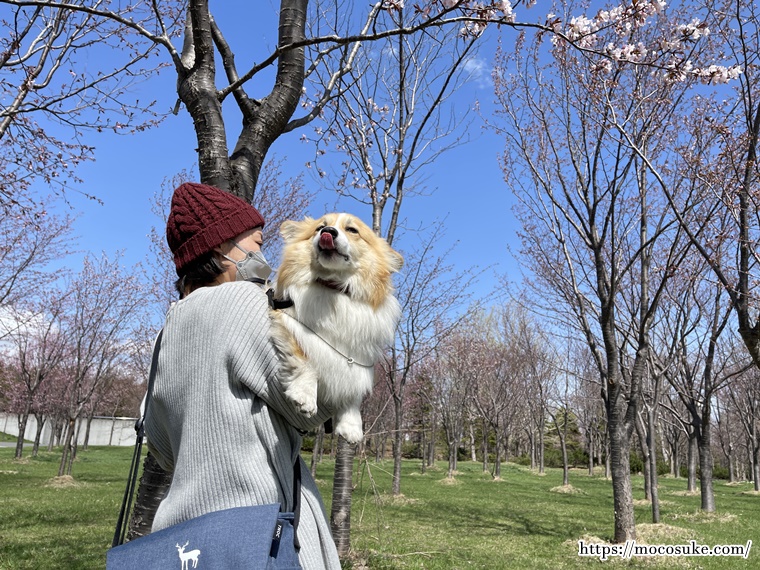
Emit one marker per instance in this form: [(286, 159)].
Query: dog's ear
[(290, 229), (395, 259)]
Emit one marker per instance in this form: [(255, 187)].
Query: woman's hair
[(200, 272)]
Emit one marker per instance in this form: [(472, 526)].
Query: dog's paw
[(351, 432), (305, 402)]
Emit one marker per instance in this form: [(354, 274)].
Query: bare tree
[(589, 409), (432, 301), (389, 124), (706, 360), (745, 396), (499, 369), (453, 373)]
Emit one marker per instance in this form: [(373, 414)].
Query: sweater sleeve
[(253, 359)]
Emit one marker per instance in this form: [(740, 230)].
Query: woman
[(218, 418)]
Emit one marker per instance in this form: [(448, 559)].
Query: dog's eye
[(352, 230)]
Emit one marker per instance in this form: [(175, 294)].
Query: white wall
[(104, 431)]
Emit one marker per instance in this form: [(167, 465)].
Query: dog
[(338, 274)]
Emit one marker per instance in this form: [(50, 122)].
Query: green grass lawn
[(520, 522)]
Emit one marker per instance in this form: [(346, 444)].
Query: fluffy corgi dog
[(337, 272)]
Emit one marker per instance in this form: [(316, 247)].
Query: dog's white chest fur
[(341, 340), (340, 337)]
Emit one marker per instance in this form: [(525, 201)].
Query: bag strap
[(296, 500), (121, 526)]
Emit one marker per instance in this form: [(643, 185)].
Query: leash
[(278, 304)]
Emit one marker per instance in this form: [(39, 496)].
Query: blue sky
[(466, 183)]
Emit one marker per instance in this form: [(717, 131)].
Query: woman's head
[(203, 222)]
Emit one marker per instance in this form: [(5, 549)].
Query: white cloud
[(477, 71)]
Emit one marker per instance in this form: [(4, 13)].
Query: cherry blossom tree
[(30, 241), (722, 155), (37, 349), (51, 95), (327, 55), (105, 299), (593, 231)]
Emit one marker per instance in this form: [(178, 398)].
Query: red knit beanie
[(203, 217)]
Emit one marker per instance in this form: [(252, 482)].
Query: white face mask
[(253, 267)]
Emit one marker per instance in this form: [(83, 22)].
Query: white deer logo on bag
[(185, 556)]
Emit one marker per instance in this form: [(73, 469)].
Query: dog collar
[(335, 286)]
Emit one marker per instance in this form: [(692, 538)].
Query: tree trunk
[(620, 466), (316, 455), (676, 460), (691, 458), (154, 483), (541, 447), (607, 468), (67, 454), (398, 441), (86, 443), (453, 449), (485, 447), (340, 516), (473, 454), (497, 457), (652, 444), (645, 452), (423, 446), (706, 463), (75, 444), (38, 436), (22, 421), (563, 443), (590, 452), (565, 464), (54, 427)]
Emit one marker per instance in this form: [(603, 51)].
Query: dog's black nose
[(329, 230)]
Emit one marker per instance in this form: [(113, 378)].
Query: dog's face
[(341, 250)]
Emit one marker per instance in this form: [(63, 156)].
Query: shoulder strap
[(121, 523), (296, 499)]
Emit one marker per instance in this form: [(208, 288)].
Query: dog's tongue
[(326, 241)]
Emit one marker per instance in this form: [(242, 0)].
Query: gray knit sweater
[(219, 420)]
